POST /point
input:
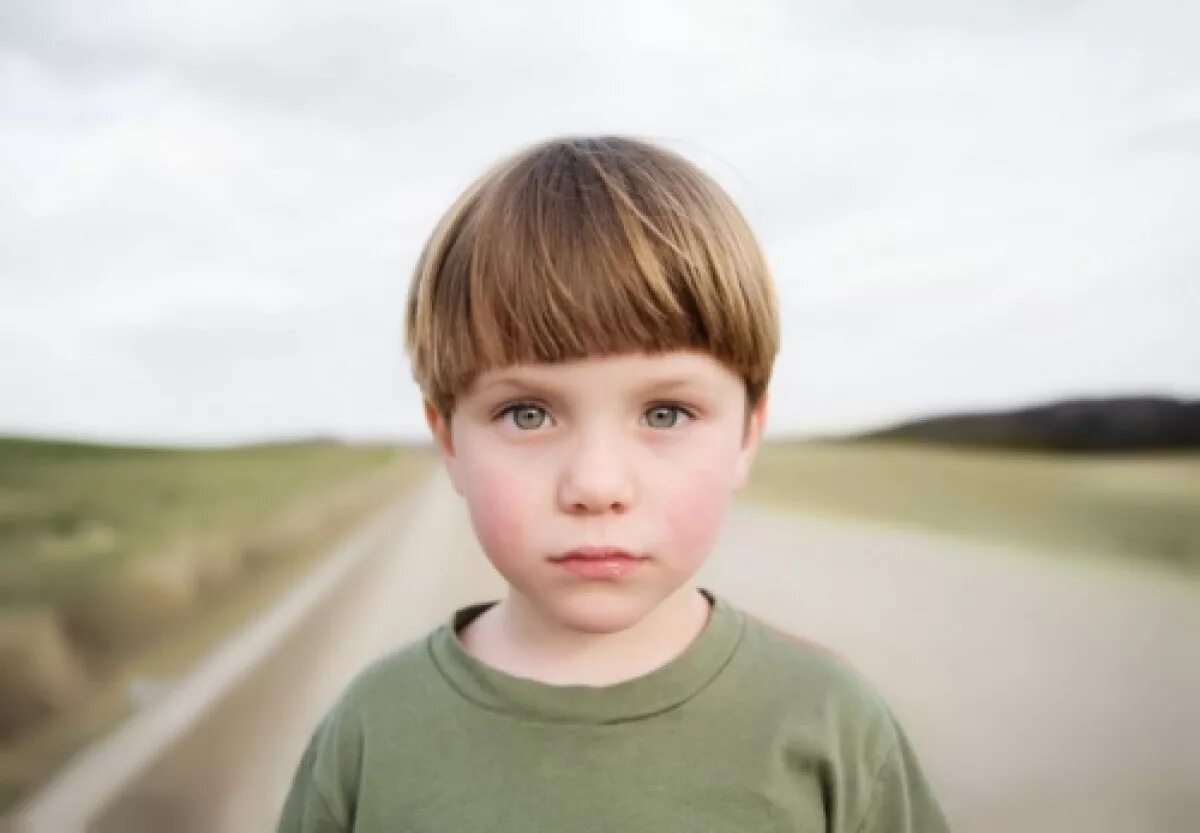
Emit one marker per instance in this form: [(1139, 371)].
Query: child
[(593, 328)]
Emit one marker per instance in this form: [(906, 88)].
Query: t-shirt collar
[(656, 691)]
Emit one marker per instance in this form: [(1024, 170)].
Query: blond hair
[(588, 246)]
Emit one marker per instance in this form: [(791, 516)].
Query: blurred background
[(981, 222)]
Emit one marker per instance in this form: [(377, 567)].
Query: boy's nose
[(596, 478)]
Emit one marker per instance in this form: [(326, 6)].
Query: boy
[(593, 327)]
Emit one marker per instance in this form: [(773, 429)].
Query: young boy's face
[(635, 452)]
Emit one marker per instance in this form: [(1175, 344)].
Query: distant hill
[(1115, 424)]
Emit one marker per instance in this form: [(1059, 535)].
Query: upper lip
[(596, 552)]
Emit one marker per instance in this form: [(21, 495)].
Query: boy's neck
[(512, 637)]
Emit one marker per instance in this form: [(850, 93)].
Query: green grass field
[(122, 563), (72, 513), (1143, 507)]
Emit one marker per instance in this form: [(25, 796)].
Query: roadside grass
[(121, 566), (1143, 508)]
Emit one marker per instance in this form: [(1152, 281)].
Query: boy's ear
[(440, 430), (443, 442), (756, 422)]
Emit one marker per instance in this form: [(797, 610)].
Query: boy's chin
[(600, 609)]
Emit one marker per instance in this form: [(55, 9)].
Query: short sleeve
[(902, 800), (318, 799)]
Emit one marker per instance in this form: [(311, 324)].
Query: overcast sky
[(209, 211)]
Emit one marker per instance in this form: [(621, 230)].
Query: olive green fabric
[(747, 731)]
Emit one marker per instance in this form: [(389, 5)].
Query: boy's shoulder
[(391, 693), (806, 684), (815, 704), (403, 674), (800, 659)]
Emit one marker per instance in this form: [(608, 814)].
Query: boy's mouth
[(597, 552), (599, 562)]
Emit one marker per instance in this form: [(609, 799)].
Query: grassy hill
[(118, 562), (72, 513), (1142, 507)]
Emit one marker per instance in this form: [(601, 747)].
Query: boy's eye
[(530, 417), (526, 417), (664, 416)]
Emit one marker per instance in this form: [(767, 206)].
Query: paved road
[(1040, 698)]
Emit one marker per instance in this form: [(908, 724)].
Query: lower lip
[(600, 568)]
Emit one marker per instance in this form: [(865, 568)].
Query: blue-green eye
[(664, 416), (525, 416)]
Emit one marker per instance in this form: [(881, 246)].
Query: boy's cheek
[(497, 512), (694, 515)]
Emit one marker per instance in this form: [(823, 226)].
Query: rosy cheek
[(498, 513), (694, 515)]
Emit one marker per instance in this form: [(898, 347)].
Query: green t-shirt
[(746, 731)]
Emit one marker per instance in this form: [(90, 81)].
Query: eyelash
[(516, 406)]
